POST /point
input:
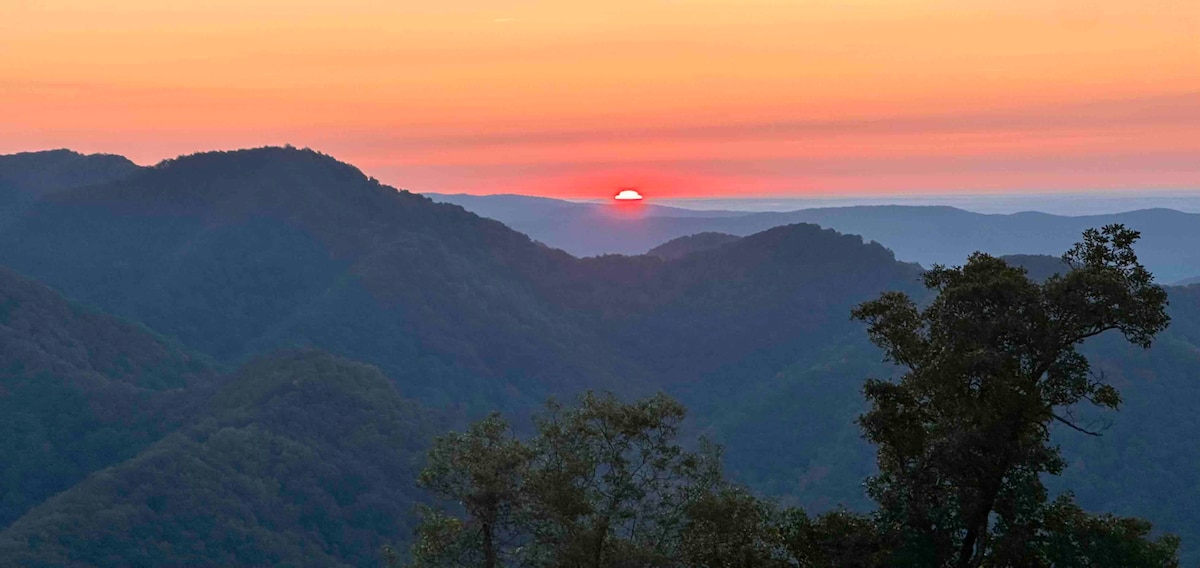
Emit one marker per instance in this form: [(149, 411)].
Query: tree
[(837, 539), (1076, 539), (604, 483), (482, 471), (611, 485), (992, 363), (731, 528)]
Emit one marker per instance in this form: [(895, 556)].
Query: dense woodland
[(145, 397)]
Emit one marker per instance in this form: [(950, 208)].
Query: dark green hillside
[(79, 391), (306, 460)]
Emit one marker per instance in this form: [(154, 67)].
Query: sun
[(628, 194)]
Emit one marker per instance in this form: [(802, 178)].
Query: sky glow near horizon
[(677, 97)]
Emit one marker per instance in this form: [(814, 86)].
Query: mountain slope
[(304, 460), (79, 391)]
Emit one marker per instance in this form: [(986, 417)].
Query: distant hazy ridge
[(922, 234)]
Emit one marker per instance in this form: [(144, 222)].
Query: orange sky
[(678, 97)]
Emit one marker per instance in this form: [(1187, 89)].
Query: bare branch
[(1074, 426)]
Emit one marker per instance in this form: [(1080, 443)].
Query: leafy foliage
[(483, 470), (992, 362), (601, 484)]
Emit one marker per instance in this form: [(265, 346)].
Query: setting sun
[(628, 195)]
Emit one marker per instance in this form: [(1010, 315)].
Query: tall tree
[(482, 471), (611, 484), (731, 528), (603, 483), (992, 363)]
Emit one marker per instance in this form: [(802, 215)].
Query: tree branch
[(1074, 426)]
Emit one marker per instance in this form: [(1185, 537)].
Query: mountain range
[(926, 235), (239, 357)]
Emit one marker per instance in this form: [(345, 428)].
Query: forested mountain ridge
[(237, 253)]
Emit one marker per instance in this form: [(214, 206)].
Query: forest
[(253, 357), (962, 438)]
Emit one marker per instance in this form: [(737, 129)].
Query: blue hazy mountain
[(1058, 203), (924, 234)]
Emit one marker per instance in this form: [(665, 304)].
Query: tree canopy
[(602, 483), (992, 363)]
